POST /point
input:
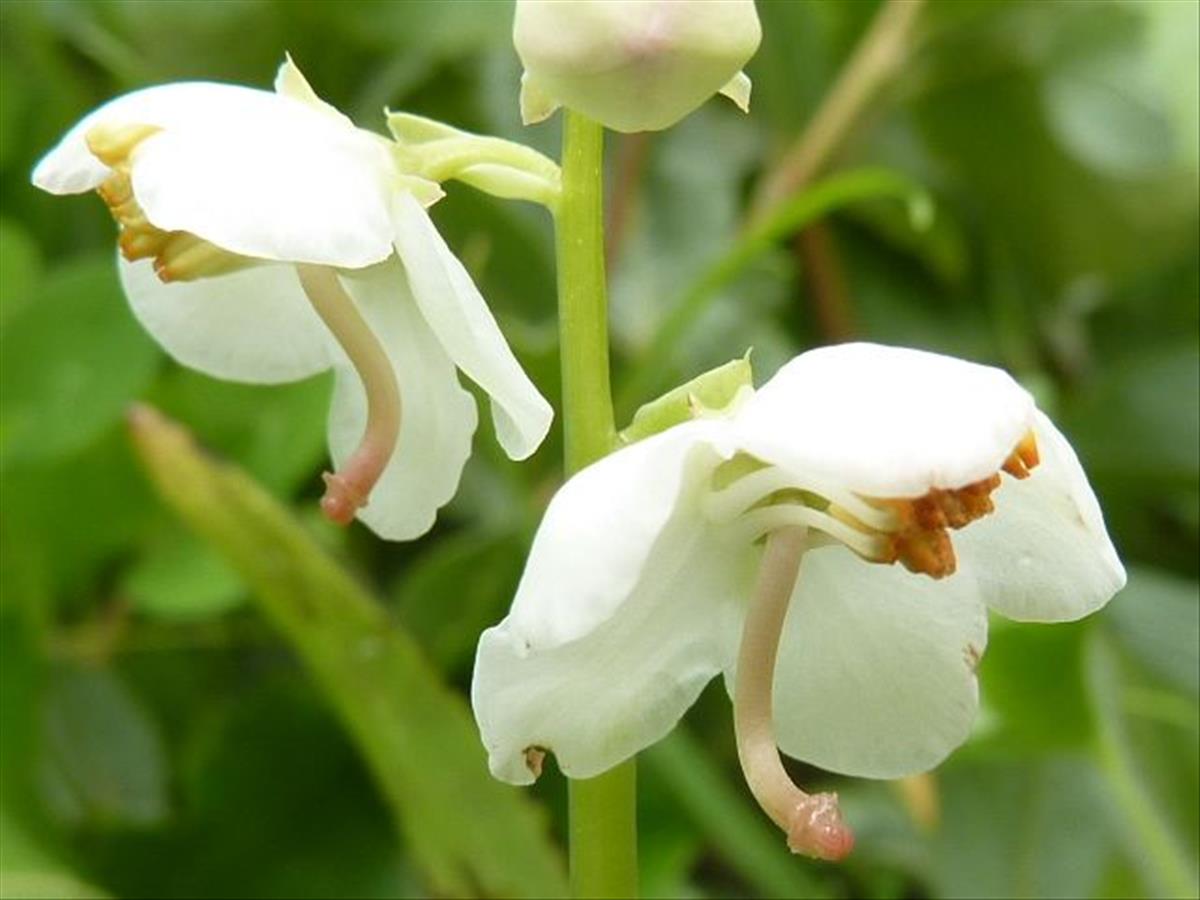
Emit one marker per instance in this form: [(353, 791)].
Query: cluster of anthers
[(182, 256), (177, 255), (914, 532)]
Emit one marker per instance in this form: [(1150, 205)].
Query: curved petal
[(459, 316), (438, 417), (273, 180), (252, 325), (70, 168), (628, 606), (1044, 555), (598, 536), (876, 672), (886, 421)]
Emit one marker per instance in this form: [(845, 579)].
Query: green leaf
[(1032, 687), (70, 364), (20, 268), (179, 578), (1153, 397), (102, 760), (276, 431), (1033, 829), (819, 200), (455, 589), (1166, 868), (1157, 619), (470, 833), (745, 841)]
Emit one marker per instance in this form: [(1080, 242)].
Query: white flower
[(633, 65), (265, 238), (639, 586)]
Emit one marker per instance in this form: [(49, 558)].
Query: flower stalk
[(603, 814)]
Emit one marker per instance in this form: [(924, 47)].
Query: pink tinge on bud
[(818, 830)]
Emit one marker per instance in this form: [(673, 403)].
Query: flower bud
[(633, 65)]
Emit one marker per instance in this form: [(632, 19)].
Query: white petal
[(738, 90), (70, 167), (252, 325), (459, 316), (628, 606), (275, 180), (1044, 555), (886, 421), (876, 666), (438, 417)]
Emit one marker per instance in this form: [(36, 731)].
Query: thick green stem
[(603, 810), (603, 834), (587, 412)]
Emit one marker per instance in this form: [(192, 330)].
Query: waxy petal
[(628, 606), (438, 417), (278, 181), (886, 422), (1044, 555), (876, 672), (253, 325), (460, 317), (70, 167)]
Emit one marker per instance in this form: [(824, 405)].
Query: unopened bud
[(633, 65)]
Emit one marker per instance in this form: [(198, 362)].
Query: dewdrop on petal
[(633, 65)]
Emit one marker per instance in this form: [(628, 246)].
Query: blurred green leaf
[(1141, 418), (1032, 687), (20, 268), (1036, 829), (61, 523), (1157, 619), (70, 363), (181, 579), (276, 431), (744, 840), (102, 761), (819, 200), (455, 590), (470, 833), (1153, 846)]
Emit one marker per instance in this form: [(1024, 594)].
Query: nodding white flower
[(264, 238), (831, 545), (633, 65)]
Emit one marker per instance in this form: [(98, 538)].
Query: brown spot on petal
[(534, 758), (972, 655)]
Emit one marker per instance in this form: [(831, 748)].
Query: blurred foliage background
[(167, 728)]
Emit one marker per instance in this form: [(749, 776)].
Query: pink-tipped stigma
[(817, 829)]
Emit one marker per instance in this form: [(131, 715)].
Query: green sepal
[(439, 152), (707, 394)]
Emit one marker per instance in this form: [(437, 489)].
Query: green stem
[(603, 834), (603, 830), (587, 412)]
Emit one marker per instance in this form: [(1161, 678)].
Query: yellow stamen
[(177, 255)]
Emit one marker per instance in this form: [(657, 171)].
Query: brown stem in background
[(877, 57), (821, 267), (633, 151)]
